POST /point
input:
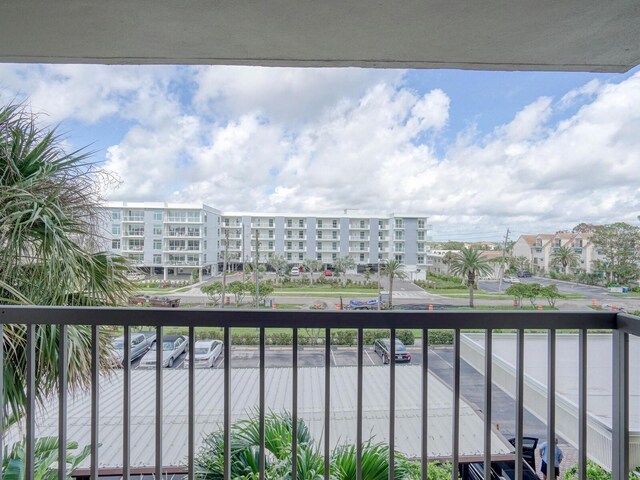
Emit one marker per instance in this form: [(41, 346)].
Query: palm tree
[(469, 263), (393, 269), (565, 257), (310, 265), (50, 215)]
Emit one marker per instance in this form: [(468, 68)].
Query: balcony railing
[(182, 220), (621, 325)]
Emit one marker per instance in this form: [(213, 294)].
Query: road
[(599, 293)]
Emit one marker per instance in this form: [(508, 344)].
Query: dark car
[(382, 347), (504, 470), (524, 274)]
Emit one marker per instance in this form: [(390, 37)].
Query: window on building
[(399, 235), (238, 244), (301, 234), (115, 214), (205, 231), (334, 245), (334, 235), (380, 224), (379, 246), (256, 222), (362, 224), (421, 247), (289, 245), (270, 233), (289, 223), (318, 246), (270, 245), (334, 223), (420, 235), (157, 229), (362, 257), (301, 256), (300, 245), (319, 257), (361, 246), (399, 223), (289, 256), (289, 234), (205, 244), (320, 234), (157, 244), (115, 244), (421, 259), (399, 258), (399, 247), (226, 222), (334, 256), (362, 235), (319, 224), (420, 223), (157, 216), (271, 222), (556, 242), (538, 242), (115, 229), (301, 223), (157, 259), (578, 243)]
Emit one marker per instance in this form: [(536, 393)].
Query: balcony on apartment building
[(133, 232), (133, 218), (182, 219), (412, 410), (183, 232)]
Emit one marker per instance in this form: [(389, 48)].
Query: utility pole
[(244, 257), (504, 254), (224, 267), (256, 267)]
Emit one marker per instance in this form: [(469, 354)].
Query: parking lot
[(276, 356)]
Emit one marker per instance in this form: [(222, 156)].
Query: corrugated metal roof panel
[(209, 410)]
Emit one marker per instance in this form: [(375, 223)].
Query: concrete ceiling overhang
[(589, 35)]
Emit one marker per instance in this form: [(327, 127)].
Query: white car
[(511, 280), (172, 347), (295, 271), (206, 353)]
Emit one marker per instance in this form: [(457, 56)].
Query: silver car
[(139, 346), (172, 347), (206, 353)]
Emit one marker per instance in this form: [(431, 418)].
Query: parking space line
[(221, 359), (333, 355), (370, 359)]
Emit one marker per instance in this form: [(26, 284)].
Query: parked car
[(505, 470), (172, 347), (328, 273), (511, 280), (295, 271), (139, 346), (137, 300), (382, 347), (206, 353), (524, 274)]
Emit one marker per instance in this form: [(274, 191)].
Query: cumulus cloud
[(324, 140)]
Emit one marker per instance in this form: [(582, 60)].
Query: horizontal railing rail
[(620, 324)]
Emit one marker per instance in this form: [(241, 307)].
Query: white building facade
[(178, 238)]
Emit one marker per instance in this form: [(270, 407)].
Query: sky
[(476, 152)]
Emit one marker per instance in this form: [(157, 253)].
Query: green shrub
[(440, 337), (344, 337), (280, 338), (406, 337)]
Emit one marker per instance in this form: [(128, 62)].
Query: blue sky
[(475, 151)]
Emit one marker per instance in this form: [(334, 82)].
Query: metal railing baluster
[(620, 413), (31, 402), (582, 405), (359, 412), (261, 407), (192, 405), (519, 401), (159, 398), (294, 408), (424, 457), (456, 406), (227, 403), (392, 404), (62, 402), (327, 403), (488, 404), (551, 401), (95, 399), (126, 405)]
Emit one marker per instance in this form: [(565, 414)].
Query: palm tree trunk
[(470, 280), (390, 293)]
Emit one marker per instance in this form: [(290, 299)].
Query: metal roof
[(209, 411)]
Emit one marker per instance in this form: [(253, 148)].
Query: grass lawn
[(626, 295), (335, 295)]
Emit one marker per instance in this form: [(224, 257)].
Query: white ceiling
[(590, 35)]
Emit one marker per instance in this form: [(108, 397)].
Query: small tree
[(239, 290), (551, 293), (213, 291), (264, 290), (311, 265), (469, 264), (532, 292), (518, 291), (279, 265), (342, 264)]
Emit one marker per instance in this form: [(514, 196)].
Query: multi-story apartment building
[(539, 250), (177, 238)]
